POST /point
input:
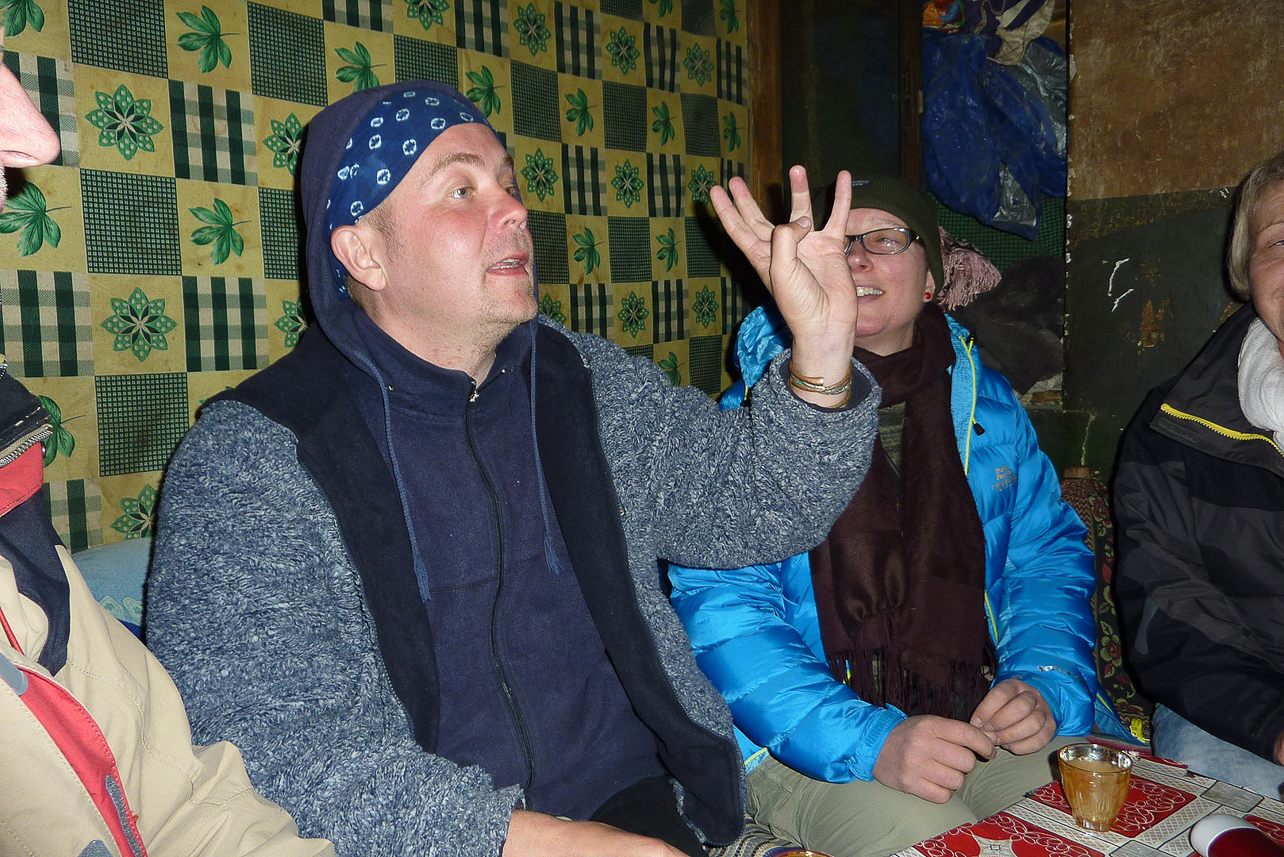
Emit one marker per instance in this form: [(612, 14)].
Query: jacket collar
[(1201, 408)]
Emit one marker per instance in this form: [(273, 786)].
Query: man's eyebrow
[(471, 159)]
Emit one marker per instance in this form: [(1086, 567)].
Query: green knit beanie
[(900, 198)]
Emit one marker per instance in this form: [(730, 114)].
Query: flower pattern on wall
[(219, 231), (15, 15), (286, 142), (207, 38), (125, 123), (705, 306), (483, 93), (541, 178), (551, 308), (728, 15), (291, 322), (586, 251), (702, 181), (139, 515), (531, 32), (670, 366), (627, 184), (28, 214), (730, 132), (139, 324), (580, 112), (633, 313), (359, 68), (699, 65), (668, 252), (428, 12), (623, 50), (62, 440), (663, 124)]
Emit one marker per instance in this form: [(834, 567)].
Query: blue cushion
[(116, 574)]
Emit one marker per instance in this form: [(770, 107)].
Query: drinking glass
[(1095, 781)]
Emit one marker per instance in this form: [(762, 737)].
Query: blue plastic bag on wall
[(990, 147)]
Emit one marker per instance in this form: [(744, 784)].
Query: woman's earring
[(927, 296)]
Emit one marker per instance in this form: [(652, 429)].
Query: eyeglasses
[(887, 241)]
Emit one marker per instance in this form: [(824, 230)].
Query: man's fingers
[(1031, 724), (749, 209), (837, 223), (1030, 734), (784, 250), (754, 246), (799, 193)]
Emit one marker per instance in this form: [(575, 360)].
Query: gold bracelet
[(818, 386)]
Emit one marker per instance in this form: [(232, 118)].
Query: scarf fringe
[(955, 697)]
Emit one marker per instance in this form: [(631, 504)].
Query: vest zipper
[(509, 697)]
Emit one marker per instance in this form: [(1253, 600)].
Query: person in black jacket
[(1199, 500)]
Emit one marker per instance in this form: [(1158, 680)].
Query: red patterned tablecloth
[(1164, 802)]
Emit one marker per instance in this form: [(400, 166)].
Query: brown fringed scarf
[(900, 581)]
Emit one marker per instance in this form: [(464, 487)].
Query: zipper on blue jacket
[(509, 697)]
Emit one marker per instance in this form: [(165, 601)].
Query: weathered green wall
[(1170, 105), (1146, 290)]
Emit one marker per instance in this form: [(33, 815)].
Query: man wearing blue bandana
[(411, 567)]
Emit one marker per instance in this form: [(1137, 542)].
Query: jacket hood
[(355, 152)]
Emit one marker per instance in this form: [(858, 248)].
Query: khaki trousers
[(868, 819)]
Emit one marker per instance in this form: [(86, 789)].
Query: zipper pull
[(472, 395)]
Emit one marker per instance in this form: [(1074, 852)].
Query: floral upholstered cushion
[(1090, 498)]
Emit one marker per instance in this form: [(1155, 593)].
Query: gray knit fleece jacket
[(257, 608)]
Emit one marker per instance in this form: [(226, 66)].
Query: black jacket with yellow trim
[(1199, 503)]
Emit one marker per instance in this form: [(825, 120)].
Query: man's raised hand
[(804, 268)]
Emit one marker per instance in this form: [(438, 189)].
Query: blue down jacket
[(755, 629)]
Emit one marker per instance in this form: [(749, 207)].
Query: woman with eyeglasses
[(911, 672)]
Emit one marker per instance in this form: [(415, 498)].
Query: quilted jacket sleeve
[(1046, 632), (782, 696)]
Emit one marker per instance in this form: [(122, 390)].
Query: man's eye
[(461, 193), (513, 190)]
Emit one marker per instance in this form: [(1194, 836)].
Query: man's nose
[(26, 140), (511, 212)]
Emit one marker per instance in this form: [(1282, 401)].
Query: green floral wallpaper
[(155, 263)]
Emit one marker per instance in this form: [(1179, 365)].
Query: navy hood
[(356, 151)]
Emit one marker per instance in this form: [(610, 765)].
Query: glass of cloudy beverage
[(1095, 781)]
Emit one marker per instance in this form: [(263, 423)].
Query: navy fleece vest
[(527, 692)]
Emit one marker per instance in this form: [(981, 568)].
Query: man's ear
[(354, 247)]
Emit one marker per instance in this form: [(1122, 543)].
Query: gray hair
[(1260, 180)]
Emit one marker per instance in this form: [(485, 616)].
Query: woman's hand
[(805, 270), (1017, 715), (928, 756)]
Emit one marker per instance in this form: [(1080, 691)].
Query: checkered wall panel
[(156, 262)]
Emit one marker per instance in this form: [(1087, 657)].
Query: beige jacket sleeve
[(188, 800)]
